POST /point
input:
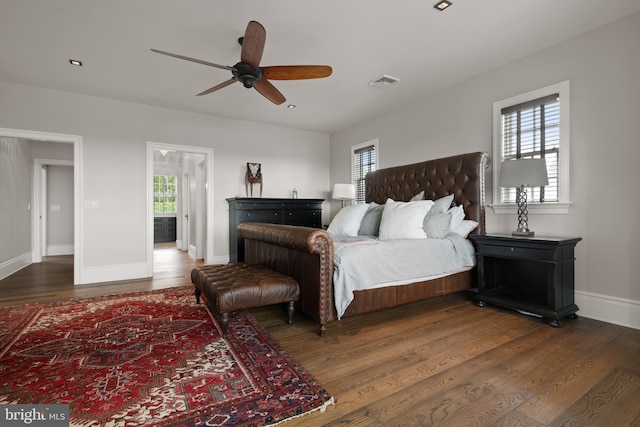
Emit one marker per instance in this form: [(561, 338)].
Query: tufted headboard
[(462, 175)]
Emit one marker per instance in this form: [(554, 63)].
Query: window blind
[(364, 161), (532, 130)]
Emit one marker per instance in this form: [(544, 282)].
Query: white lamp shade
[(344, 192), (527, 172)]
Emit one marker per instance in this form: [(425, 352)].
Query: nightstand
[(530, 274)]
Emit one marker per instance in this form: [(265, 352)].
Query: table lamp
[(521, 173), (344, 192)]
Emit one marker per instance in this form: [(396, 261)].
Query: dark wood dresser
[(164, 229), (304, 212)]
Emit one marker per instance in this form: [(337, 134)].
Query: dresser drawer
[(259, 216), (516, 252), (302, 214)]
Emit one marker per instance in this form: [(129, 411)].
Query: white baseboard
[(53, 250), (220, 259), (10, 266), (192, 251), (619, 311), (113, 273)]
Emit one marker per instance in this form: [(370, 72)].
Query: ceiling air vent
[(384, 81)]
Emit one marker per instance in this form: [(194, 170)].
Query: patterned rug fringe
[(322, 408)]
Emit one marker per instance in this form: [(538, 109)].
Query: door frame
[(208, 191), (78, 218)]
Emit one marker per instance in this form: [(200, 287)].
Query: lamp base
[(527, 233)]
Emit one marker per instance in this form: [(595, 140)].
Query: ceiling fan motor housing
[(246, 75)]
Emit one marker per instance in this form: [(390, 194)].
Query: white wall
[(113, 164), (603, 67), (15, 219)]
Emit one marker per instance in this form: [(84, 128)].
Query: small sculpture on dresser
[(253, 176)]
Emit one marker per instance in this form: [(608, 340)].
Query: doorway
[(52, 227), (36, 243), (194, 206)]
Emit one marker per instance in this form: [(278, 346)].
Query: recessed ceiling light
[(75, 62), (442, 5), (291, 106)]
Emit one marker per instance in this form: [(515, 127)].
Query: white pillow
[(465, 227), (404, 220), (347, 221)]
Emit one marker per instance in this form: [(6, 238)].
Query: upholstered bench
[(238, 286)]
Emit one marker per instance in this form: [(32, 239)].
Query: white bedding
[(367, 262)]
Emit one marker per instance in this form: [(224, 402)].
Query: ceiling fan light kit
[(249, 72), (246, 75)]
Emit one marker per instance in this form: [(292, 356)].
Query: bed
[(307, 254)]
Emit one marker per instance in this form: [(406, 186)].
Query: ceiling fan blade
[(253, 44), (296, 72), (199, 61), (216, 87), (269, 91)]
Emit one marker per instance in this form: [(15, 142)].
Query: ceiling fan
[(249, 72)]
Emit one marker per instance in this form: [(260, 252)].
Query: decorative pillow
[(465, 227), (404, 220), (370, 224), (419, 196), (437, 225), (347, 221), (438, 221), (457, 215), (442, 204)]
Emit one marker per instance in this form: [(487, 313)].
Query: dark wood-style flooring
[(443, 362)]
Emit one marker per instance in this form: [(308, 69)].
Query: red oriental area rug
[(150, 359)]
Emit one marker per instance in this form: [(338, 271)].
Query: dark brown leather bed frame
[(306, 254)]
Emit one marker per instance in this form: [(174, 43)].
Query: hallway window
[(164, 194)]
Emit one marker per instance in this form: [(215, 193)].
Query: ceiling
[(426, 49)]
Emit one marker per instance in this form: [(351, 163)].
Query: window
[(532, 131), (534, 125), (364, 160), (164, 194)]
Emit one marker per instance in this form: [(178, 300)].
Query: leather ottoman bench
[(238, 286)]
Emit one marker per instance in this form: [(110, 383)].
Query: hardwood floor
[(52, 279), (447, 362), (443, 362)]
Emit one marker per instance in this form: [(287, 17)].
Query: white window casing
[(561, 206)]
